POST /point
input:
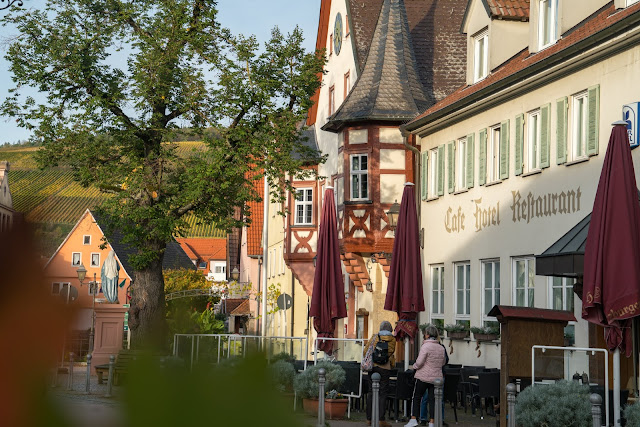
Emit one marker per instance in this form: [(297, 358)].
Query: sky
[(247, 17)]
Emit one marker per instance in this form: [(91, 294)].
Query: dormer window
[(481, 54), (548, 23)]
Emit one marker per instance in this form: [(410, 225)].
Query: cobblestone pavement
[(95, 410)]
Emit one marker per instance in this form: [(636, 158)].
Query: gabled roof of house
[(174, 256), (242, 310), (508, 9), (525, 64), (204, 249), (389, 87), (254, 230)]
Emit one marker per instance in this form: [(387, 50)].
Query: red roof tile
[(204, 249), (602, 19), (509, 9), (254, 230)]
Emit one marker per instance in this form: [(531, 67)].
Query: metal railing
[(212, 348), (571, 361)]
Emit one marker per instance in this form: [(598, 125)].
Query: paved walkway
[(81, 409)]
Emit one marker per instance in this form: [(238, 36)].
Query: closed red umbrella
[(327, 299), (611, 294), (404, 293)]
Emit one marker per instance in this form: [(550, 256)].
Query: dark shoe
[(383, 423), (368, 422)]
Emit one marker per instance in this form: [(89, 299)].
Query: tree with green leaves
[(117, 77)]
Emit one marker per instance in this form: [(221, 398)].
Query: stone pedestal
[(108, 333)]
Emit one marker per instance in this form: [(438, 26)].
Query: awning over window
[(565, 258)]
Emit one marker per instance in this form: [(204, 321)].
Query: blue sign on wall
[(631, 116)]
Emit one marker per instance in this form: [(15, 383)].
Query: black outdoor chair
[(450, 392), (488, 389), (404, 390), (351, 385), (468, 387)]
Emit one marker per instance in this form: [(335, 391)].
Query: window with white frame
[(531, 153), (433, 173), (332, 100), (578, 127), (561, 293), (57, 287), (93, 288), (86, 239), (304, 206), (76, 259), (437, 291), (523, 281), (490, 285), (547, 23), (281, 261), (493, 154), (462, 272), (359, 177), (481, 55), (220, 269), (461, 164), (95, 259)]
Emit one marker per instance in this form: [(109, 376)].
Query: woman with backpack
[(380, 348), (428, 368)]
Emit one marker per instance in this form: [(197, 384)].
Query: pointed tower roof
[(389, 87)]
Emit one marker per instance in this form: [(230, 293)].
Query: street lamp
[(82, 274), (235, 274), (392, 214)]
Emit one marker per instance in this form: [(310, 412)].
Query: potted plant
[(305, 385), (335, 405), (565, 403), (282, 373), (426, 325), (486, 333), (457, 331), (569, 339)]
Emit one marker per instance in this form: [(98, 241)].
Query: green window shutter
[(519, 143), (441, 170), (423, 178), (482, 163), (471, 153), (561, 130), (504, 150), (451, 176), (593, 105), (545, 135)]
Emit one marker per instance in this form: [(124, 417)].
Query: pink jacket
[(430, 361)]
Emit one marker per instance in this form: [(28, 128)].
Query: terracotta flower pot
[(459, 335), (334, 409), (485, 337)]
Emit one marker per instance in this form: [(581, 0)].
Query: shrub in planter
[(282, 373), (305, 384), (426, 325), (632, 414), (565, 403), (457, 330)]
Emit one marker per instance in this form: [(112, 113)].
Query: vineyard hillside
[(52, 202)]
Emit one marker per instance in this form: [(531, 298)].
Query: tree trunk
[(147, 313)]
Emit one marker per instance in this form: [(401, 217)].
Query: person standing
[(382, 364), (428, 368)]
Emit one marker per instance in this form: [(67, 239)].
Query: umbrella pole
[(616, 387), (406, 353)]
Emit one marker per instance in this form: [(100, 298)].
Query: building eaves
[(509, 9), (603, 25)]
